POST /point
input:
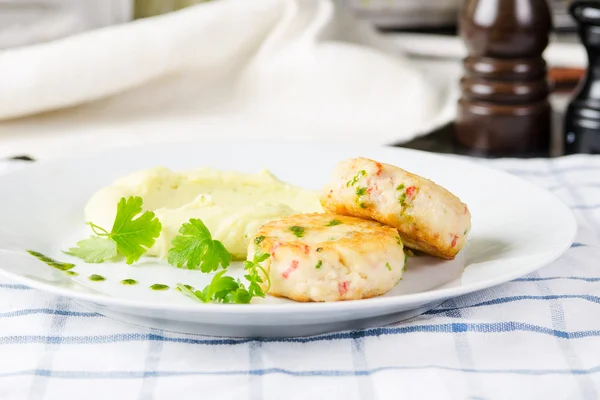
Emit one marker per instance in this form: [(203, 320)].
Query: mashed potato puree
[(232, 205)]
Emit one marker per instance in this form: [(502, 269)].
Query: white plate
[(517, 228)]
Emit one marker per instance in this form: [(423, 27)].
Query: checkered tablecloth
[(537, 337)]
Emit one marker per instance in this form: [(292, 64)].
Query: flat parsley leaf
[(222, 289), (134, 236), (194, 248), (94, 250), (131, 237), (225, 289)]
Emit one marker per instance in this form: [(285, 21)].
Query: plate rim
[(378, 302)]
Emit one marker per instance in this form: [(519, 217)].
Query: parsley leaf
[(134, 236), (241, 296), (225, 289), (194, 248), (130, 237), (94, 250), (222, 289)]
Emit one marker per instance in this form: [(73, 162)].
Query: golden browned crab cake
[(428, 217), (322, 257)]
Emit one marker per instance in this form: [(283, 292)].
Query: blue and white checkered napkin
[(534, 338)]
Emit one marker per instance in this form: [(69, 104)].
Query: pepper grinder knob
[(582, 120)]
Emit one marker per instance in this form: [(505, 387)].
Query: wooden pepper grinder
[(504, 108), (582, 120)]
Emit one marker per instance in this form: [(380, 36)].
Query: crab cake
[(428, 217), (322, 257)]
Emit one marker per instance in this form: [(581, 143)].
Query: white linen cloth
[(273, 68), (537, 337)]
